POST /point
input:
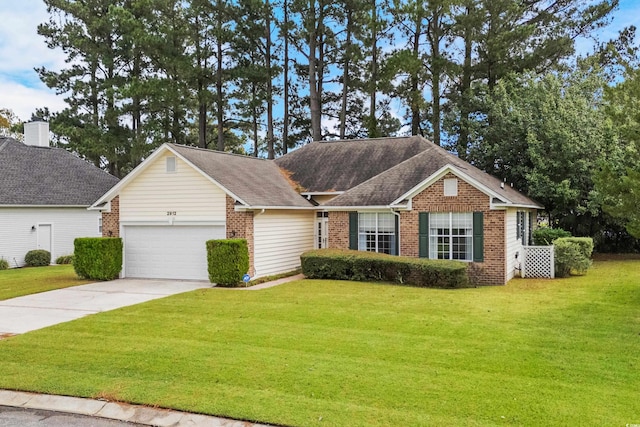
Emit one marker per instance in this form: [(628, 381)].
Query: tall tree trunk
[(373, 126), (465, 88), (345, 75), (285, 77), (436, 71), (415, 93), (314, 96), (271, 154), (219, 93)]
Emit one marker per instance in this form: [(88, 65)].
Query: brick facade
[(469, 199), (111, 220), (240, 226), (338, 230)]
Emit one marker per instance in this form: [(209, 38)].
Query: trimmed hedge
[(64, 259), (572, 254), (340, 264), (97, 258), (37, 258), (544, 236), (4, 264), (228, 261)]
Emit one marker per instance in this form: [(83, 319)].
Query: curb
[(137, 414)]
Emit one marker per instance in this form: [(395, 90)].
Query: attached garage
[(168, 251)]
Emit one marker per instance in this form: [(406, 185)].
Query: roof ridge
[(333, 141), (191, 147)]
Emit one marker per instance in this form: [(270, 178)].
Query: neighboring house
[(44, 196), (402, 196)]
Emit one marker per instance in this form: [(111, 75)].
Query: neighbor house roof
[(257, 182), (399, 181), (43, 176), (340, 165)]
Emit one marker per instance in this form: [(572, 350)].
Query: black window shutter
[(518, 225), (478, 237), (423, 235), (396, 247), (353, 230), (531, 220)]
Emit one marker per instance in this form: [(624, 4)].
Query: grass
[(534, 352), (17, 282)]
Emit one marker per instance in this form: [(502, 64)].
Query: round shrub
[(64, 259), (4, 264), (37, 258)]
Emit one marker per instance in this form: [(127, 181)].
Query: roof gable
[(326, 166), (410, 177), (250, 181), (44, 176)]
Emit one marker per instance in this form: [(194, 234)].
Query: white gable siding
[(17, 238), (279, 239), (186, 192)]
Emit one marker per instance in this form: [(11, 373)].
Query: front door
[(321, 230)]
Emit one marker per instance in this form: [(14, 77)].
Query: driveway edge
[(137, 414)]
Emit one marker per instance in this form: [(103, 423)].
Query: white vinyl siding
[(17, 238), (514, 239), (279, 239), (186, 192)]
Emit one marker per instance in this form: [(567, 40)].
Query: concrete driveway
[(37, 311)]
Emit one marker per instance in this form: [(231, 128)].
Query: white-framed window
[(521, 226), (171, 164), (450, 187), (377, 232), (451, 236), (100, 224)]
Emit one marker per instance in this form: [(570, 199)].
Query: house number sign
[(171, 213)]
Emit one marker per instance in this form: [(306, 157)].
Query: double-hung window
[(451, 236), (377, 232)]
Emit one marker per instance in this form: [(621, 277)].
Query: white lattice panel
[(538, 262)]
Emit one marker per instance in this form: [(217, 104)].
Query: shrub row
[(572, 255), (97, 258), (339, 264), (64, 259), (227, 261)]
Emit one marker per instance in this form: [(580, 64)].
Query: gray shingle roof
[(257, 182), (390, 185), (48, 176), (341, 165)]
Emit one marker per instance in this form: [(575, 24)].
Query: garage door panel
[(168, 252)]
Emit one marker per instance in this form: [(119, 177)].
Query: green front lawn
[(534, 352), (32, 280)]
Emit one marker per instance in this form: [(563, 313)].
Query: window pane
[(366, 222), (386, 223)]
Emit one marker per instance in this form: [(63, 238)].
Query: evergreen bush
[(228, 261), (572, 255), (4, 264), (64, 259), (544, 236), (97, 258), (37, 258)]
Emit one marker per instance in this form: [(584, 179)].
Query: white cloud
[(24, 100), (21, 50)]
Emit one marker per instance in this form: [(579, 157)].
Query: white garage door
[(168, 252)]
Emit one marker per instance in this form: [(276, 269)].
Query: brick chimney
[(36, 133)]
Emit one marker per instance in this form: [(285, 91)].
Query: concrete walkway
[(115, 411), (37, 311)]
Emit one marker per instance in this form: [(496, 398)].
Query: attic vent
[(171, 164), (450, 187)]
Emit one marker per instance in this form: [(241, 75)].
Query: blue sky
[(22, 49)]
